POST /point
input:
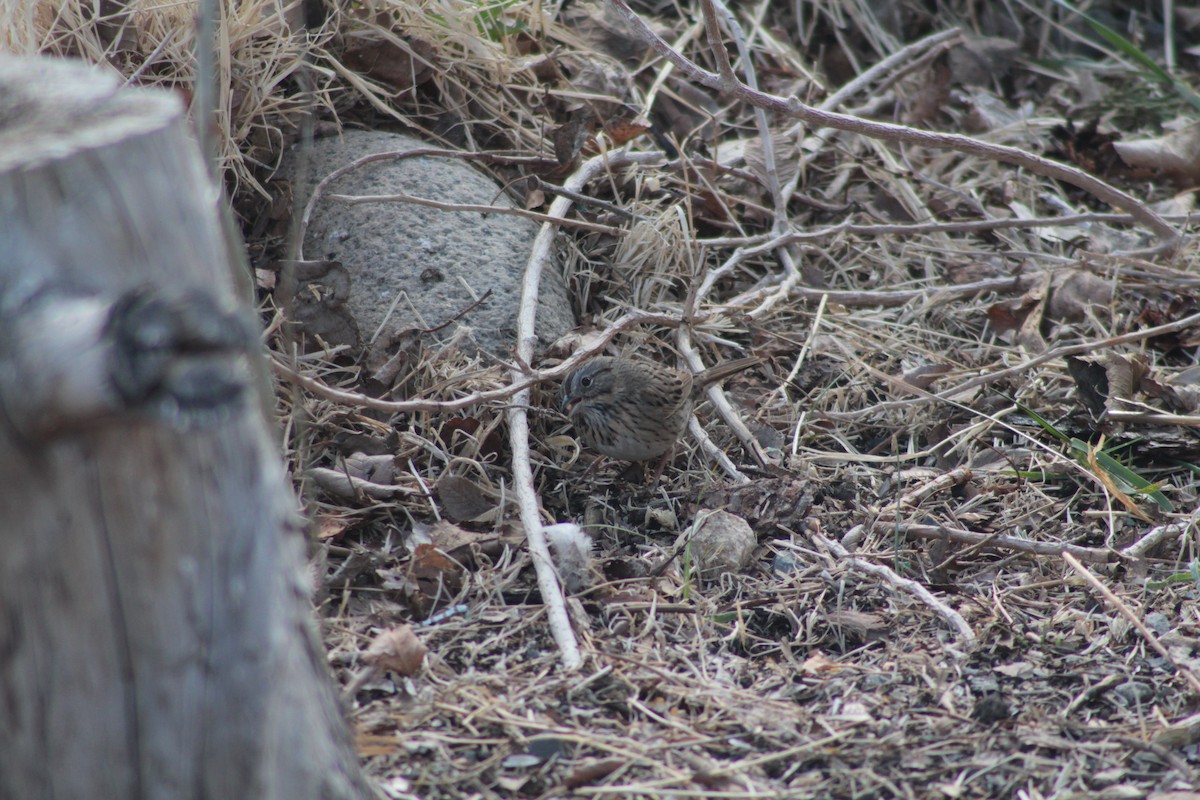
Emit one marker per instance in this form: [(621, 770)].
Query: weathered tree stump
[(156, 639)]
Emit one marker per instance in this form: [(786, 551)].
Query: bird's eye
[(585, 381)]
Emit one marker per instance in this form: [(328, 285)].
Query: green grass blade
[(1044, 423), (1135, 53), (1126, 479)]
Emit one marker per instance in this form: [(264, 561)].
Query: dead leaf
[(861, 623), (391, 360), (931, 96), (1091, 380), (534, 198), (1009, 315), (1105, 384), (399, 67), (428, 576), (1180, 734), (351, 442), (924, 377), (397, 650), (787, 158), (1030, 334), (599, 78), (982, 60), (1180, 394), (379, 469), (1087, 148), (592, 772), (1177, 205), (1176, 154), (329, 527), (462, 499), (1077, 293), (1125, 376), (624, 131), (987, 112), (449, 537), (818, 662), (570, 138)]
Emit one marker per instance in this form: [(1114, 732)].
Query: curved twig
[(518, 419), (793, 107), (885, 573)]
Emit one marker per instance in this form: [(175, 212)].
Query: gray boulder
[(412, 266)]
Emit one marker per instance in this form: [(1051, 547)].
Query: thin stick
[(912, 587), (401, 197), (991, 376), (715, 453), (518, 421), (769, 241), (725, 411), (1094, 555), (902, 60), (1152, 538), (392, 155), (914, 498), (531, 376), (714, 9), (716, 395), (1127, 612), (636, 318), (793, 107), (518, 418)]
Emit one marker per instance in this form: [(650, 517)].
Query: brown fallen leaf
[(593, 772), (329, 527), (462, 499), (861, 623), (398, 650), (1075, 294), (818, 662), (1176, 154), (401, 67)]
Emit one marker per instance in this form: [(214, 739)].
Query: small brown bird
[(635, 410)]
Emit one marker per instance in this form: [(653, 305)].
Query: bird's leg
[(662, 464)]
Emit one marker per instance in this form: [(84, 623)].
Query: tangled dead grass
[(939, 497)]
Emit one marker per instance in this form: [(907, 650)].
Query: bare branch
[(793, 107)]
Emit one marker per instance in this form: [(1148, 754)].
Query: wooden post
[(156, 638)]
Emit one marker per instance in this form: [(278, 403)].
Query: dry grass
[(887, 422)]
